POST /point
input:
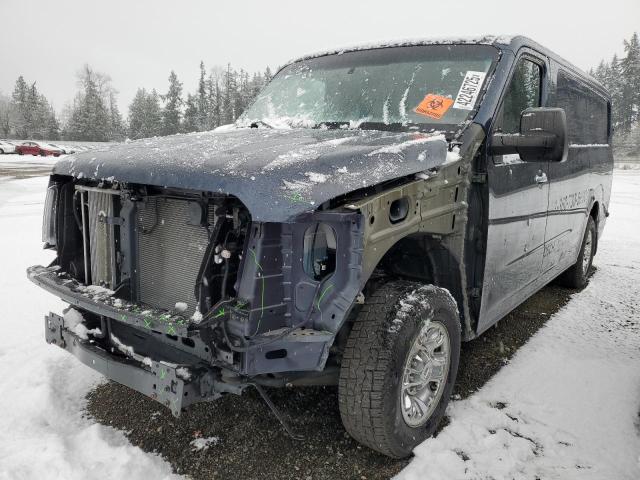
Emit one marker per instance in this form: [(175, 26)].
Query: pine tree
[(214, 100), (34, 113), (614, 83), (5, 115), (145, 115), (203, 106), (221, 96), (44, 122), (229, 97), (190, 123), (52, 126), (630, 88), (19, 109), (116, 124), (90, 118), (172, 113)]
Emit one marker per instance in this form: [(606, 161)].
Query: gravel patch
[(248, 442)]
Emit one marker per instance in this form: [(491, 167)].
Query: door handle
[(541, 177)]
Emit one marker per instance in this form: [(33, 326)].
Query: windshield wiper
[(392, 127)]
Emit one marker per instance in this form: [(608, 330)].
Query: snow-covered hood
[(277, 174)]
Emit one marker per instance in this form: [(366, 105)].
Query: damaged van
[(372, 209)]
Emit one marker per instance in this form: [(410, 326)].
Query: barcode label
[(469, 90)]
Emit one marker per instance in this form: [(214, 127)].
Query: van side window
[(523, 93), (587, 112)]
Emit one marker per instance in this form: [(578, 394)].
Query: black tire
[(577, 276), (1, 152), (369, 393), (43, 153), (19, 152)]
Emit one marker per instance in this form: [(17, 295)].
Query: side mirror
[(542, 137)]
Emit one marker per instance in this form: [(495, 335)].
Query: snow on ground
[(42, 432), (16, 160), (565, 407), (568, 404)]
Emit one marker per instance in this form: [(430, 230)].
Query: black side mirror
[(542, 137)]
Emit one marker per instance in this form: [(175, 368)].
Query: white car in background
[(7, 147), (65, 149)]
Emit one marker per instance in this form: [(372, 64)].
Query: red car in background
[(38, 148)]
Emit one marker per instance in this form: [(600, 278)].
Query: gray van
[(373, 208)]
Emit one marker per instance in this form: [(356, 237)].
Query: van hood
[(277, 174)]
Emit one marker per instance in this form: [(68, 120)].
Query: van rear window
[(587, 112)]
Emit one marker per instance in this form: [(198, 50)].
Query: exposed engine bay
[(187, 284)]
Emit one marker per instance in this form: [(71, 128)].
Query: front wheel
[(577, 275), (399, 366)]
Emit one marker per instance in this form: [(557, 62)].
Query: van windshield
[(435, 86)]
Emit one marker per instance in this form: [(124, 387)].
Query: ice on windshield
[(410, 85)]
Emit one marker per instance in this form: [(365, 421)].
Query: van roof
[(510, 42)]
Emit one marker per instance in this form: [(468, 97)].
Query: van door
[(518, 200), (571, 186)]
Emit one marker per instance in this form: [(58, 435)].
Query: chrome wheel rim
[(425, 373), (586, 252)]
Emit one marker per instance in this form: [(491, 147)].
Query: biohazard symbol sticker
[(434, 106)]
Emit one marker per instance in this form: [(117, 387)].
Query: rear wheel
[(1, 151), (399, 366), (43, 153), (578, 275)]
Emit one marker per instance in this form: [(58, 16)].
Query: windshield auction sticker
[(434, 106), (469, 90)]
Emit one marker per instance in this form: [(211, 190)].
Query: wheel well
[(426, 258)]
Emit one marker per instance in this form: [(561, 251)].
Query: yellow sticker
[(434, 106)]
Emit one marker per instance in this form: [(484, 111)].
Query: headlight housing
[(49, 216)]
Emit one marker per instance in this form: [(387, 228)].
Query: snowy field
[(565, 407)]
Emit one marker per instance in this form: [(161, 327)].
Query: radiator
[(170, 252), (101, 239)]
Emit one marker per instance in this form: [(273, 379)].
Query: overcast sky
[(138, 42)]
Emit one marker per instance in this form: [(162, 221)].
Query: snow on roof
[(408, 42)]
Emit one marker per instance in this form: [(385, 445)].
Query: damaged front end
[(182, 296)]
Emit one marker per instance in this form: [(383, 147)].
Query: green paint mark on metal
[(240, 305), (147, 323), (165, 317), (255, 259), (171, 330), (296, 197), (329, 287), (220, 313), (163, 373), (123, 318)]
